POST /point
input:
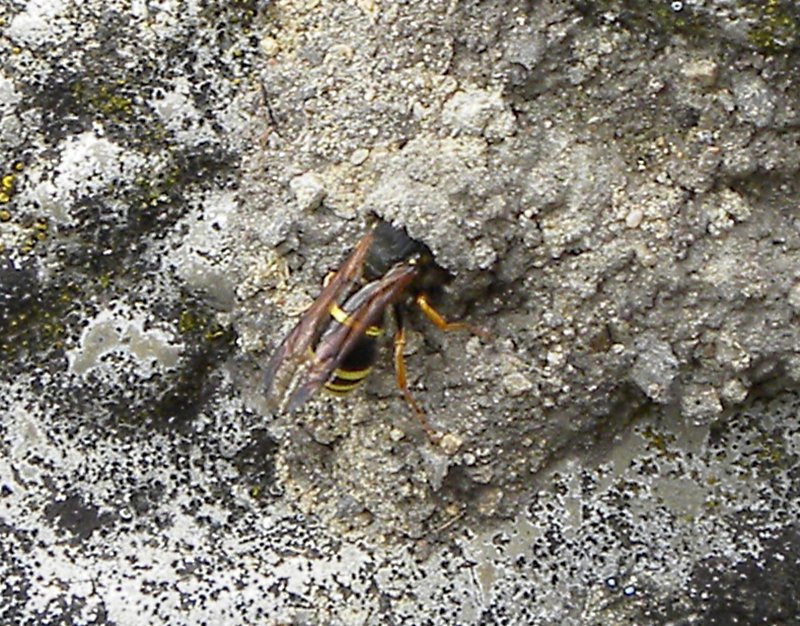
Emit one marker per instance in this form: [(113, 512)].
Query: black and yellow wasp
[(334, 345)]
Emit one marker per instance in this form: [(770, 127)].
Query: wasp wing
[(371, 301), (294, 348)]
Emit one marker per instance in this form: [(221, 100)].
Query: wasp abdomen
[(354, 368), (357, 363)]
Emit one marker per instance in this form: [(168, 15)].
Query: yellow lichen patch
[(33, 234), (8, 184), (186, 322), (53, 331), (106, 98), (40, 326), (215, 333), (189, 322), (7, 188), (661, 442)]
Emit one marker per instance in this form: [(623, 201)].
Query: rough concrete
[(614, 189)]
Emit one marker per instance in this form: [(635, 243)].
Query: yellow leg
[(442, 323), (402, 382)]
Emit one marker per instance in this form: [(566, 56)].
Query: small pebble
[(634, 218), (794, 297), (701, 404), (396, 434), (733, 391), (309, 191), (517, 384), (703, 72), (269, 47), (450, 444), (359, 156)]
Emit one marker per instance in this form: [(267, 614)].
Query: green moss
[(776, 27)]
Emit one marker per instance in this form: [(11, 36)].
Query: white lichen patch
[(122, 340), (89, 164), (39, 22), (620, 219), (202, 255)]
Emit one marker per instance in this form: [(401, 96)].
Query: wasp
[(335, 343)]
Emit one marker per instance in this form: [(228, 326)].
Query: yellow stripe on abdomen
[(341, 316), (354, 366), (352, 375), (344, 381)]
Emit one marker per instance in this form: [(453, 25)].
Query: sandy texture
[(614, 186)]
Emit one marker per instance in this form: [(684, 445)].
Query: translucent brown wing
[(371, 301), (296, 346)]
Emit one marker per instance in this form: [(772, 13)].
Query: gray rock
[(308, 190), (610, 198), (655, 368)]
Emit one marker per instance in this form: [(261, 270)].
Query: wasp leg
[(442, 324), (402, 381)]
